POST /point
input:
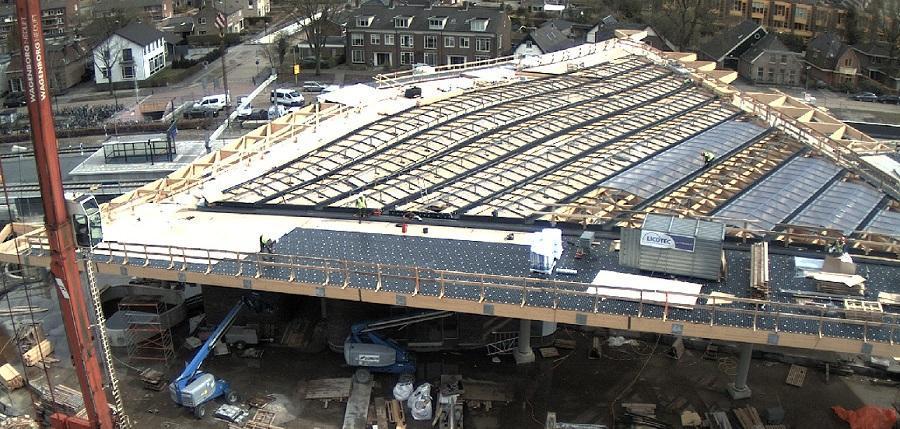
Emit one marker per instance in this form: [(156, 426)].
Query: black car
[(15, 99), (865, 96), (889, 99), (199, 112)]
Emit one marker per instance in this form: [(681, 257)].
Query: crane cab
[(86, 220)]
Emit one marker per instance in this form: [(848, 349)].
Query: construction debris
[(21, 310), (840, 284), (23, 422), (748, 417), (10, 378), (329, 389), (395, 414), (262, 419), (640, 409), (153, 380), (564, 344), (548, 352), (690, 419), (231, 413), (551, 423), (260, 401)]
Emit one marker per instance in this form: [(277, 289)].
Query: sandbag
[(404, 388), (867, 417), (420, 403)]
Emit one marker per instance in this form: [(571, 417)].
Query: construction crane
[(194, 388), (366, 348), (63, 264)]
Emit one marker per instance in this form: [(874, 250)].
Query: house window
[(374, 39), (15, 85), (389, 39), (363, 21), (483, 45), (792, 77), (401, 22), (127, 72), (784, 59), (464, 42), (773, 59), (759, 7), (449, 41), (127, 56), (848, 62), (771, 75), (430, 42), (406, 41), (431, 58), (356, 39), (481, 58), (356, 56), (406, 58), (800, 13), (202, 20), (760, 73), (478, 24), (105, 73), (436, 23)]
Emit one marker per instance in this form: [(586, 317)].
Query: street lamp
[(807, 78)]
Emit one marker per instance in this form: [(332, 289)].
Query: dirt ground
[(580, 390)]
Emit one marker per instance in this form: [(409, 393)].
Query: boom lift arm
[(194, 388), (365, 347)]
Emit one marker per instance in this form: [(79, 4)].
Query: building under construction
[(685, 207)]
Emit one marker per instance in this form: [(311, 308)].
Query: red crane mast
[(63, 263)]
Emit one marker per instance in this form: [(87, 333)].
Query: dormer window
[(364, 21), (437, 22), (402, 21), (478, 24)]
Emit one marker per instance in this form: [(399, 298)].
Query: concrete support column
[(739, 389), (523, 353)]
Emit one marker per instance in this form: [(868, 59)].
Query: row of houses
[(760, 57)]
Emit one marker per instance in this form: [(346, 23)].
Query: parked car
[(196, 111), (313, 86), (15, 99), (212, 102), (865, 96), (413, 92), (244, 112), (310, 63), (809, 99), (287, 97), (889, 99)]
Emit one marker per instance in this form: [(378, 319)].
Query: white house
[(134, 52)]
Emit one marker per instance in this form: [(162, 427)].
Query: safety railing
[(732, 312)]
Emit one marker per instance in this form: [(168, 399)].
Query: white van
[(212, 102), (287, 97)]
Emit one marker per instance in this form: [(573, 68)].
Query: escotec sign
[(662, 240)]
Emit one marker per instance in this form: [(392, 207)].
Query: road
[(838, 103)]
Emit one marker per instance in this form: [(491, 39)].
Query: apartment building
[(805, 18), (396, 36), (58, 18), (156, 10)]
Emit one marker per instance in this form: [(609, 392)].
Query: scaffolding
[(147, 336)]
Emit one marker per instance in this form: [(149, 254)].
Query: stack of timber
[(11, 378), (863, 310), (639, 409), (889, 299), (63, 399), (38, 353), (153, 380), (840, 284), (748, 418), (759, 270)]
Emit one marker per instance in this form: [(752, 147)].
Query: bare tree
[(107, 55), (681, 21), (884, 29), (107, 49), (316, 17)]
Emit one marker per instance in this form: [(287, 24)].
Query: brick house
[(68, 66), (205, 19), (876, 62), (770, 62), (58, 18), (391, 37), (831, 61), (156, 10)]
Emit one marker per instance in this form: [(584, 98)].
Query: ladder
[(122, 419)]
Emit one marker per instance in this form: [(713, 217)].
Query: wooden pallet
[(262, 419), (395, 414), (748, 418), (796, 375), (759, 270), (329, 389), (863, 310)]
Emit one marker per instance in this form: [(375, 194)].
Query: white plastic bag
[(404, 388), (420, 403)]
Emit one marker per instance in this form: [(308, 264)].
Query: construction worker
[(263, 244), (708, 157), (361, 206)]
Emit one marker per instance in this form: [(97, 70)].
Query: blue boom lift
[(194, 388), (366, 348)]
